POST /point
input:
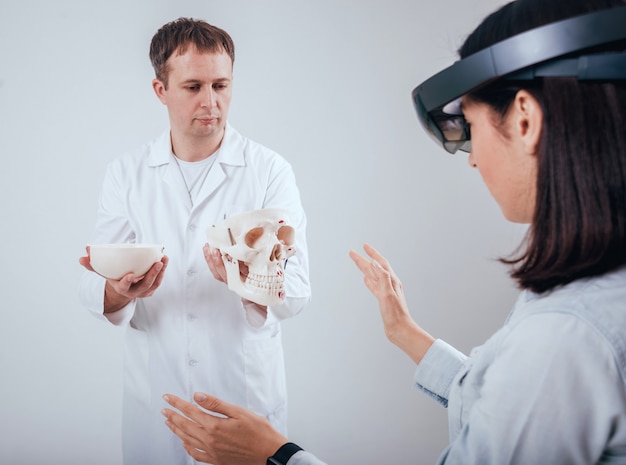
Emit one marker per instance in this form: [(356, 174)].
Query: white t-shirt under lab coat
[(194, 334)]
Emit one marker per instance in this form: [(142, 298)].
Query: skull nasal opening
[(276, 253)]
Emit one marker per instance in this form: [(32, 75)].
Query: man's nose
[(208, 97)]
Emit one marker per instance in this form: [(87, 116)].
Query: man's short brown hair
[(177, 35)]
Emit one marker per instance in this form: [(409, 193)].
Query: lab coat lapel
[(161, 158), (214, 179), (230, 153)]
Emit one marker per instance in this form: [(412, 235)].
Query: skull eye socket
[(253, 235), (286, 235)]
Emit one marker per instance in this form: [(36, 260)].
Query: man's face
[(198, 94)]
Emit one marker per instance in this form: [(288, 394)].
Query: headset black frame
[(540, 52)]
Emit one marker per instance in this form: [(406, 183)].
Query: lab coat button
[(191, 272), (193, 363), (193, 227)]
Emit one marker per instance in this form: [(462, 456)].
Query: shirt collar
[(230, 152)]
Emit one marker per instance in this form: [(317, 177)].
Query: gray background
[(325, 83)]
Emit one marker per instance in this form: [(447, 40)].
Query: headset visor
[(549, 50)]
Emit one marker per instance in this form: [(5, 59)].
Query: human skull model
[(263, 240)]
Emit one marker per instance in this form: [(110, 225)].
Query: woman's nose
[(471, 160)]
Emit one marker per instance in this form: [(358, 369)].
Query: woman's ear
[(528, 120)]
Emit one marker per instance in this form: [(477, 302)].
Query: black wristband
[(282, 455)]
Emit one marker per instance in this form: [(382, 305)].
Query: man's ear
[(528, 120), (159, 90)]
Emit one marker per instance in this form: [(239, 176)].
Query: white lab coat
[(194, 334)]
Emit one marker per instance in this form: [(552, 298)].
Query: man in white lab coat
[(185, 330)]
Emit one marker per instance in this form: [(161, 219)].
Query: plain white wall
[(325, 83)]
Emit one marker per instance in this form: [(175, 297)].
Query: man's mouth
[(207, 119)]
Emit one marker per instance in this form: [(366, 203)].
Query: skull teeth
[(267, 284)]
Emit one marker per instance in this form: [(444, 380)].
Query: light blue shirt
[(548, 388)]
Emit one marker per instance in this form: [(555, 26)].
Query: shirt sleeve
[(435, 372), (551, 395), (303, 457), (282, 192), (91, 294), (112, 226)]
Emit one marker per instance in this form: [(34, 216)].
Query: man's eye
[(219, 86), (193, 88)]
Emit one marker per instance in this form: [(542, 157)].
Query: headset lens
[(448, 127), (454, 130)]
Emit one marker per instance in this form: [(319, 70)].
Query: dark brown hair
[(579, 224), (177, 35)]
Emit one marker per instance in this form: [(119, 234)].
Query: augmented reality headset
[(546, 51)]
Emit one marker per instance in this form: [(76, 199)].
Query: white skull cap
[(261, 239)]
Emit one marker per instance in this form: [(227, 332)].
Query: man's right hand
[(119, 293)]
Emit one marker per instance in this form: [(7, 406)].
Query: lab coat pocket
[(266, 389), (236, 209), (137, 365)]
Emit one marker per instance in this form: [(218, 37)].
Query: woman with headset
[(538, 99)]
